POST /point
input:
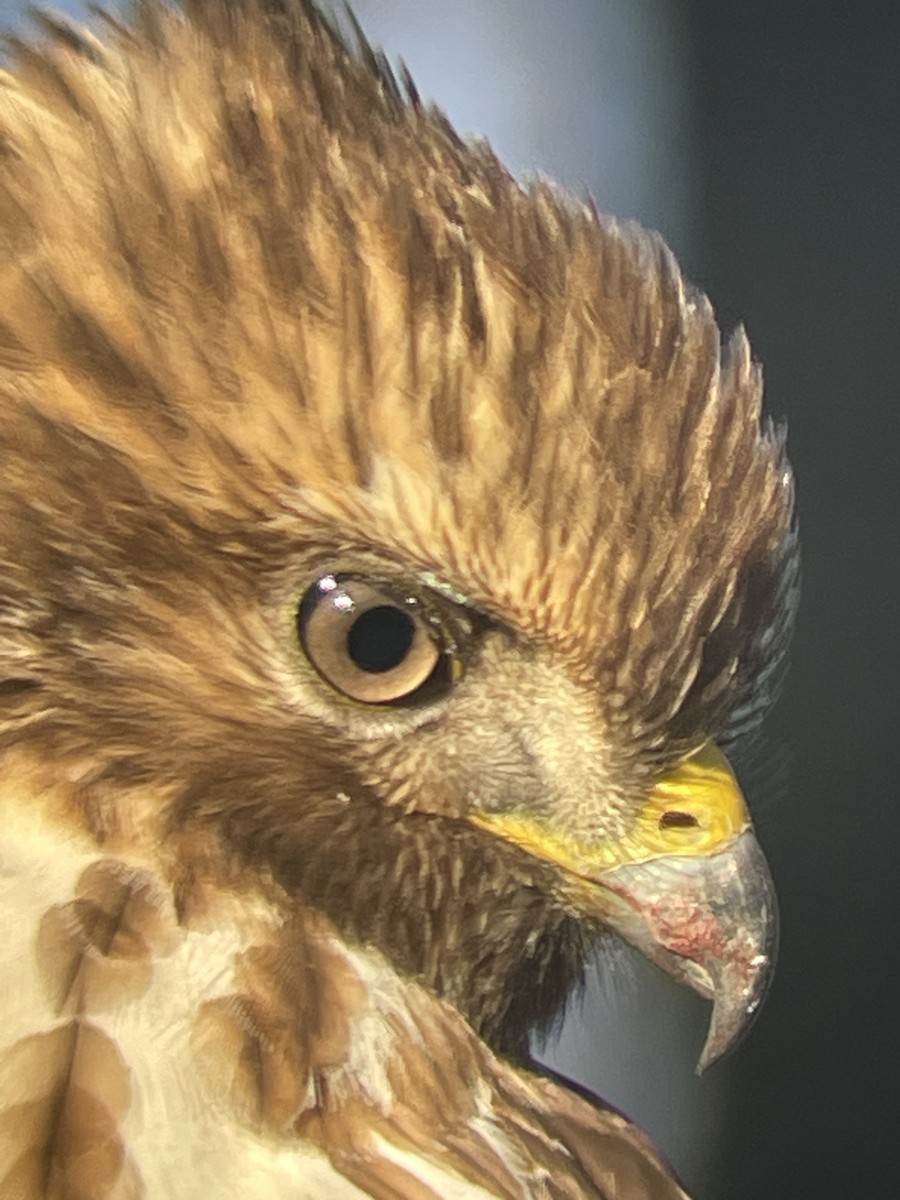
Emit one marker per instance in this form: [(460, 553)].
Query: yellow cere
[(694, 809)]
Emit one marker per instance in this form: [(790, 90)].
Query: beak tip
[(720, 1042), (735, 1009)]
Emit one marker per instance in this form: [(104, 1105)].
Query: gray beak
[(710, 921)]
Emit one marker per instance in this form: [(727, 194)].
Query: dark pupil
[(380, 638)]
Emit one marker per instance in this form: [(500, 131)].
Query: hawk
[(388, 552)]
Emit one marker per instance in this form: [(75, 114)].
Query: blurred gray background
[(763, 140)]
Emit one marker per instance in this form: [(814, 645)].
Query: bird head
[(402, 532)]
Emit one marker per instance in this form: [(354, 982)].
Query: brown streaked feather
[(295, 1040), (572, 340), (60, 1124)]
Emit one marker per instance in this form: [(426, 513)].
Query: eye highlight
[(372, 644)]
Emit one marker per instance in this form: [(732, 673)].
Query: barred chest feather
[(167, 1046)]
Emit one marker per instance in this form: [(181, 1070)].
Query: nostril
[(678, 820)]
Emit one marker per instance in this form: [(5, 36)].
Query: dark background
[(764, 140), (798, 111)]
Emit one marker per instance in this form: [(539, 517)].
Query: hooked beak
[(687, 885), (710, 922)]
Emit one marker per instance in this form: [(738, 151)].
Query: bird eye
[(370, 644)]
